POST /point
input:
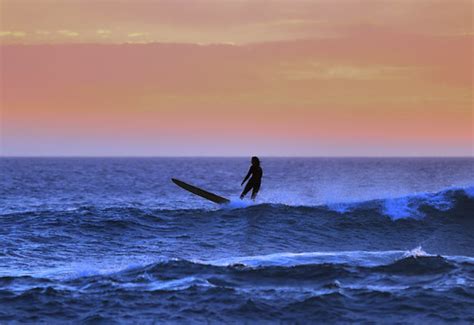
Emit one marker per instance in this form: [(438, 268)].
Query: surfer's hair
[(255, 161)]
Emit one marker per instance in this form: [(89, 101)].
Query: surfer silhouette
[(254, 182)]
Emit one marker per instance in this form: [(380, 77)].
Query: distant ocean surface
[(328, 240)]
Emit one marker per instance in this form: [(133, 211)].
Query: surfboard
[(200, 192)]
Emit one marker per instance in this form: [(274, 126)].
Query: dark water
[(328, 240)]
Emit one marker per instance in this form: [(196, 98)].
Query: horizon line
[(224, 156)]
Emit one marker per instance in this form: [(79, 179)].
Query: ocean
[(328, 240)]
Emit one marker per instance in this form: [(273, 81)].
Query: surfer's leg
[(247, 188), (255, 190)]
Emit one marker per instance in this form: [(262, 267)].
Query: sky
[(236, 78)]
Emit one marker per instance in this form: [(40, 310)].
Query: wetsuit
[(254, 182)]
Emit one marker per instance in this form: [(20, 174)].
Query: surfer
[(255, 181)]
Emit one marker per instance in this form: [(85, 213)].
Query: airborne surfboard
[(200, 192)]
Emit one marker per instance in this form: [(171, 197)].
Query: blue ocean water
[(328, 240)]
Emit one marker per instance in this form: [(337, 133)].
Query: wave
[(457, 202), (430, 219), (418, 205), (273, 286), (180, 274), (442, 222), (415, 206), (242, 263)]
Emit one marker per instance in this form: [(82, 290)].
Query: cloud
[(103, 33), (137, 34), (241, 22), (68, 33), (325, 71), (351, 90), (7, 33)]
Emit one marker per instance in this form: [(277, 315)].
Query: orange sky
[(378, 78)]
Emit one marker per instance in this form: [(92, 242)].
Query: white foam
[(416, 252), (379, 288), (93, 267), (178, 284), (361, 258), (167, 285), (399, 208), (408, 206), (341, 207), (238, 204)]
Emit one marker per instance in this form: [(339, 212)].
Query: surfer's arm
[(248, 175)]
